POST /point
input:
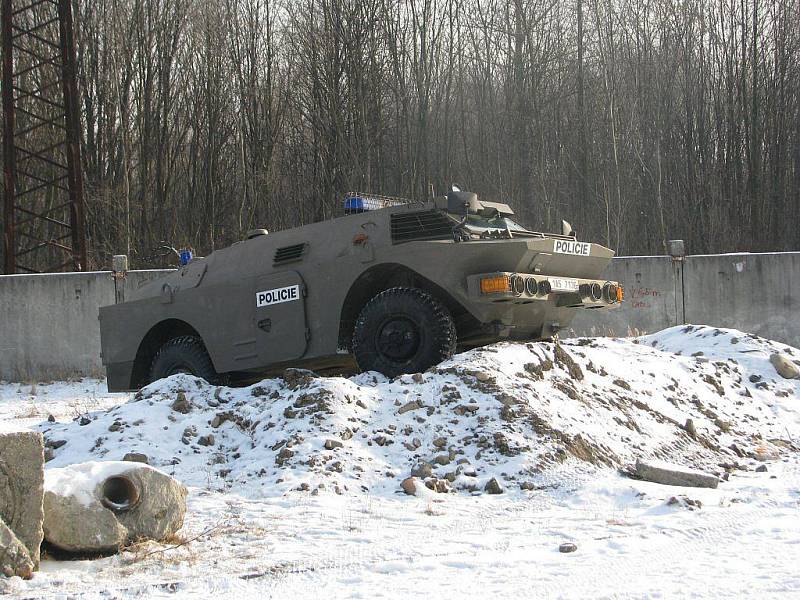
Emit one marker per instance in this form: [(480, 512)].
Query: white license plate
[(563, 285)]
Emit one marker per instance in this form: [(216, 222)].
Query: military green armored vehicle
[(393, 286)]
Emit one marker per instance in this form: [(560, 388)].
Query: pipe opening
[(119, 494)]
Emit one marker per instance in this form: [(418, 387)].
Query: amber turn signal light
[(620, 294), (493, 285)]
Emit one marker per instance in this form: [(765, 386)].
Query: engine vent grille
[(289, 254), (421, 225)]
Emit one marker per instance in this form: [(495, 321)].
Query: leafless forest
[(636, 120)]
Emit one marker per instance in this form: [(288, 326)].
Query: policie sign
[(579, 248), (278, 295)]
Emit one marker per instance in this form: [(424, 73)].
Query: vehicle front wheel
[(403, 330), (186, 354)]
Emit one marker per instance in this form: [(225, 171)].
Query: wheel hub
[(398, 338)]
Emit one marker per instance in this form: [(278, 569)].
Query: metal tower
[(44, 227)]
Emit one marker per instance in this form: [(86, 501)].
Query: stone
[(408, 406), (14, 556), (422, 470), (206, 440), (161, 507), (72, 526), (493, 486), (440, 442), (785, 367), (181, 404), (442, 459), (761, 469), (669, 474), (690, 428), (417, 378), (22, 488), (107, 505), (409, 485), (440, 486), (137, 457), (567, 547), (333, 444)]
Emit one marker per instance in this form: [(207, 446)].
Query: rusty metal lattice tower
[(43, 189)]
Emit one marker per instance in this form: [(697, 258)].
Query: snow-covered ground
[(274, 511)]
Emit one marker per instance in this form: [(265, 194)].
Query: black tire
[(186, 354), (403, 330)]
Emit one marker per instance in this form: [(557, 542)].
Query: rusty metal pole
[(73, 149), (9, 162)]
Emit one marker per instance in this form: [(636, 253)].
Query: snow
[(311, 521)]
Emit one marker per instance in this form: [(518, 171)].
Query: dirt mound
[(700, 396)]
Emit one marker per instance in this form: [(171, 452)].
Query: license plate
[(563, 285)]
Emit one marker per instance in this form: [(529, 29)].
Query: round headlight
[(597, 291), (544, 287), (517, 284), (531, 286)]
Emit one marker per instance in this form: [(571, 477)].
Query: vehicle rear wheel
[(186, 354), (403, 330)]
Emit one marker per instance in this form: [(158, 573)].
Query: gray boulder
[(71, 525), (161, 507), (14, 556), (99, 507), (22, 487), (667, 474), (785, 367)]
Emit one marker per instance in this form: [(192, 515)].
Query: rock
[(440, 486), (22, 488), (333, 444), (84, 421), (137, 457), (54, 444), (161, 507), (493, 486), (417, 378), (761, 469), (623, 384), (785, 367), (99, 507), (754, 378), (442, 459), (668, 474), (14, 556), (413, 405), (567, 547), (71, 525), (482, 376), (206, 440), (440, 442), (690, 428), (409, 485), (422, 470), (181, 404)]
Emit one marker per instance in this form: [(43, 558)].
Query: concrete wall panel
[(48, 325), (757, 293), (652, 300)]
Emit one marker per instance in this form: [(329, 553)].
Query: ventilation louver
[(289, 254), (421, 225)]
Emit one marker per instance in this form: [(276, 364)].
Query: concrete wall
[(48, 323), (653, 299), (757, 293), (49, 329)]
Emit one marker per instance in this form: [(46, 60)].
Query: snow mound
[(703, 397)]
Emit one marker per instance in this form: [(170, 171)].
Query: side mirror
[(566, 228)]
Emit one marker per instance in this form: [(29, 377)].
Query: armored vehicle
[(392, 286)]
